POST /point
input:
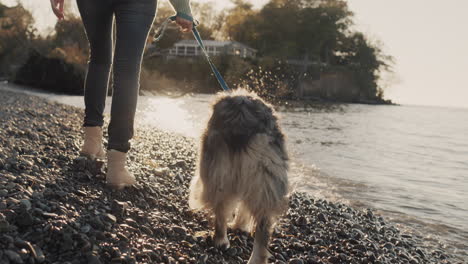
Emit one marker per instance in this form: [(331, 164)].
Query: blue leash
[(196, 34)]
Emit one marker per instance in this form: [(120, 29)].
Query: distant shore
[(321, 103), (55, 207)]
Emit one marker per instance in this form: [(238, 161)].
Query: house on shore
[(333, 85), (190, 48)]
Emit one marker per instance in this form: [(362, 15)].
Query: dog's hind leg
[(221, 215), (260, 252)]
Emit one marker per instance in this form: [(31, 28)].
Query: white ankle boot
[(118, 176), (92, 145)]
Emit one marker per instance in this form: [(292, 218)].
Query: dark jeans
[(134, 19)]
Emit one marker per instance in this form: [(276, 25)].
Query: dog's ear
[(211, 141)]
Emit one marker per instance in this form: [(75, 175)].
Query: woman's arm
[(184, 14), (57, 7)]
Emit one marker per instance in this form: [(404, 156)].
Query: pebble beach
[(56, 208)]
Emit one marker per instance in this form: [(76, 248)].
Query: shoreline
[(55, 207), (304, 102)]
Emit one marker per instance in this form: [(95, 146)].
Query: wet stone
[(334, 260), (49, 215), (131, 222), (26, 204), (147, 230), (13, 256), (301, 221), (4, 226), (109, 218), (86, 228), (20, 243), (322, 217), (388, 246), (179, 230), (421, 253), (342, 234), (296, 261), (360, 247), (25, 219), (122, 237), (38, 254), (232, 251), (93, 259), (119, 208)]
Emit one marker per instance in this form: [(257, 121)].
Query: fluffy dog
[(242, 169)]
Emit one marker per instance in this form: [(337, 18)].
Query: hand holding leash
[(185, 24)]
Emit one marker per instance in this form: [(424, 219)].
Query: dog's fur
[(243, 165)]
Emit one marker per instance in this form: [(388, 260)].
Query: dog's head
[(238, 115)]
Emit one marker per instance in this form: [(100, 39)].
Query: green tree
[(69, 41), (16, 34), (284, 28), (366, 60), (318, 30)]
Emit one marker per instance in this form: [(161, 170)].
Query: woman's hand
[(57, 7), (184, 24)]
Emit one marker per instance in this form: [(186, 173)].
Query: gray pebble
[(296, 261), (179, 230), (13, 256)]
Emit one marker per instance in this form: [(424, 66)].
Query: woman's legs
[(134, 19), (97, 18)]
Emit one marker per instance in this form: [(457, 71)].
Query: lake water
[(410, 163)]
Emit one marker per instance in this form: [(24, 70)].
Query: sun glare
[(168, 114)]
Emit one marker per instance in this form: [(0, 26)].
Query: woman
[(133, 19)]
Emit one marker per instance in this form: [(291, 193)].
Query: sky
[(427, 38)]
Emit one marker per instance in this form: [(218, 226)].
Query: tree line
[(319, 33)]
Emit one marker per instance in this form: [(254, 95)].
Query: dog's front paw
[(221, 242)]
